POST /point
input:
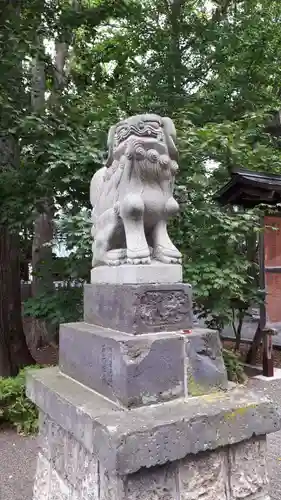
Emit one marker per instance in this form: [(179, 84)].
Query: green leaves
[(234, 367), (219, 245), (215, 70), (64, 305), (15, 408)]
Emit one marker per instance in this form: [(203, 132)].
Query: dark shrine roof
[(248, 189)]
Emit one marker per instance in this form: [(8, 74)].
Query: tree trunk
[(44, 227), (42, 252), (14, 353), (238, 329), (42, 282), (251, 358), (174, 56)]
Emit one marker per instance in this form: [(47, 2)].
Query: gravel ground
[(17, 465), (18, 455)]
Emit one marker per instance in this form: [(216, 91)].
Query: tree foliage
[(212, 66)]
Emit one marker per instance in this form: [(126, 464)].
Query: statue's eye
[(155, 124)]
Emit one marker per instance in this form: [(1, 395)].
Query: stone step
[(139, 370), (124, 441)]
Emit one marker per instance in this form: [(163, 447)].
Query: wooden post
[(267, 360), (267, 357)]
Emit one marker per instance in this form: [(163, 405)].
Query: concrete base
[(199, 447), (156, 272)]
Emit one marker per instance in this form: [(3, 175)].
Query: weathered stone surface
[(44, 436), (205, 366), (75, 468), (71, 406), (75, 495), (204, 476), (90, 481), (132, 370), (248, 474), (125, 441), (158, 483), (137, 309), (72, 469), (112, 486), (131, 274), (41, 487), (59, 488), (230, 473), (57, 440)]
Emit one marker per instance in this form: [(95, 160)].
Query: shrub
[(16, 409), (234, 367)]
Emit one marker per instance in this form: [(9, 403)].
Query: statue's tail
[(96, 186), (96, 191)]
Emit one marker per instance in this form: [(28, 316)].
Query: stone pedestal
[(140, 407), (138, 309)]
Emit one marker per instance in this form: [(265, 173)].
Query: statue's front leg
[(131, 212), (164, 249)]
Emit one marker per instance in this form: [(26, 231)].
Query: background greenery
[(71, 68)]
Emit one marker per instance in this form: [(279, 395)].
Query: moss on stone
[(239, 411), (213, 396), (197, 389)]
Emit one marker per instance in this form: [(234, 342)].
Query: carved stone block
[(59, 488), (112, 486), (204, 476), (157, 483), (139, 309), (248, 474), (125, 441), (231, 472), (131, 370), (185, 450), (41, 486)]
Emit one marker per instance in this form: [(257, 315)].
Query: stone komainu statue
[(132, 196)]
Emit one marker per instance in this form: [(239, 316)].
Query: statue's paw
[(145, 260), (164, 259), (168, 255), (141, 256), (114, 262), (115, 257), (176, 261)]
